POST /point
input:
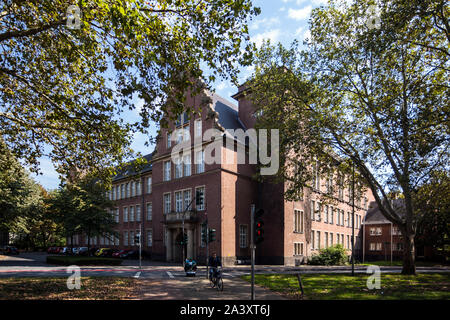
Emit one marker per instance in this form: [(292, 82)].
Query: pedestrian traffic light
[(259, 223), (137, 239), (212, 235)]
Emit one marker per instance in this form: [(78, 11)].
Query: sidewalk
[(199, 289)]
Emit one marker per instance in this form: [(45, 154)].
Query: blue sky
[(280, 21)]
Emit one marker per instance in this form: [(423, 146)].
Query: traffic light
[(212, 235), (259, 223), (185, 239), (137, 239), (204, 233)]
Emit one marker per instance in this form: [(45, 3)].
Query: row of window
[(183, 200), (340, 183), (128, 238), (377, 231), (183, 133), (132, 213), (378, 246), (129, 189), (330, 241), (182, 166), (329, 214)]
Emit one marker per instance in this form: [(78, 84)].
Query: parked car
[(83, 251), (65, 250), (108, 252), (52, 250), (10, 250), (131, 254), (75, 250), (92, 251), (120, 253), (99, 252)]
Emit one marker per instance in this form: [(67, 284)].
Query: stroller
[(190, 267)]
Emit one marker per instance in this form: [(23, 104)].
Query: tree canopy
[(66, 76), (376, 97)]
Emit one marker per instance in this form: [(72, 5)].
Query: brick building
[(382, 239), (223, 193)]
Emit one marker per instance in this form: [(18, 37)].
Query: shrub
[(330, 256), (83, 261)]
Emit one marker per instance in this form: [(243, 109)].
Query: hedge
[(83, 261)]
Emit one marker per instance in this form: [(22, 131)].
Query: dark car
[(107, 253), (10, 250), (119, 253), (131, 254)]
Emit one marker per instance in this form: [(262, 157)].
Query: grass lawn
[(340, 286), (400, 263), (46, 288)]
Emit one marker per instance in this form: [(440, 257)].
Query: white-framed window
[(131, 217), (243, 236), (313, 239), (375, 231), (122, 191), (125, 214), (342, 239), (178, 201), (149, 184), (117, 193), (187, 133), (200, 198), (187, 199), (396, 231), (298, 248), (187, 165), (298, 221), (149, 211), (138, 188), (312, 210), (167, 203), (138, 212), (342, 218), (318, 211), (326, 240), (132, 238), (331, 215), (198, 128), (318, 240), (376, 246), (132, 189), (200, 161), (116, 215), (127, 190), (178, 168), (113, 193), (149, 237), (167, 170), (169, 140), (326, 214), (331, 239)]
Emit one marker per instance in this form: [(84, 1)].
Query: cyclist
[(214, 262)]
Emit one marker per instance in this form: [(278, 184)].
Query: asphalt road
[(34, 265)]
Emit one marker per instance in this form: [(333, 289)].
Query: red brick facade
[(229, 190)]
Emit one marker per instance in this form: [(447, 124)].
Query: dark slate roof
[(374, 214), (127, 171), (228, 113)]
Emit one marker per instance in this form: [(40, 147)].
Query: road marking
[(137, 275), (228, 274), (170, 274)]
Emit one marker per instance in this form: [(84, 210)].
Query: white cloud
[(222, 86), (300, 14), (271, 34), (299, 31), (266, 22), (315, 3), (282, 9)]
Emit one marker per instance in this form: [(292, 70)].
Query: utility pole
[(353, 221), (207, 249), (252, 248), (140, 246)]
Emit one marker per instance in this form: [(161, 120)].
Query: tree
[(373, 97), (66, 76), (433, 202), (81, 207)]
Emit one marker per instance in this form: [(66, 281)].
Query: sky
[(280, 21)]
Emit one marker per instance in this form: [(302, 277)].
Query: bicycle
[(216, 280)]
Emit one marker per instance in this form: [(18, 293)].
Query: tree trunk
[(409, 255)]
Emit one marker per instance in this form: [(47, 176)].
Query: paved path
[(198, 288)]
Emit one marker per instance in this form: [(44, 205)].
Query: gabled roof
[(374, 215), (228, 116), (129, 170)]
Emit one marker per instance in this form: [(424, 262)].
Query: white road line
[(228, 274), (137, 275), (170, 274)]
